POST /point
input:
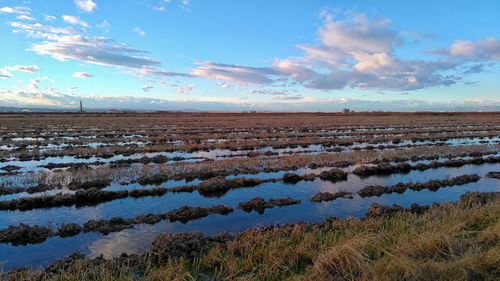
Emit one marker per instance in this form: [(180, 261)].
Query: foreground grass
[(449, 242)]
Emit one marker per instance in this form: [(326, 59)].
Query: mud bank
[(327, 196), (258, 204), (433, 185)]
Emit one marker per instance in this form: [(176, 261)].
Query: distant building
[(345, 110), (81, 106)]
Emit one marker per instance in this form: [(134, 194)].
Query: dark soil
[(382, 169), (471, 198), (219, 185), (433, 185), (495, 175), (83, 197), (258, 204), (291, 178), (188, 213), (106, 226), (11, 190), (23, 234), (214, 187), (333, 175), (377, 210), (10, 168), (99, 184), (327, 196), (386, 169), (70, 229), (188, 245)]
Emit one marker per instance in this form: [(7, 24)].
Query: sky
[(232, 55)]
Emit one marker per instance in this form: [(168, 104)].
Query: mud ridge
[(433, 185), (327, 196), (84, 197), (258, 204), (23, 234), (386, 169), (494, 175)]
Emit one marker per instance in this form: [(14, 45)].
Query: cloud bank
[(358, 53), (49, 98)]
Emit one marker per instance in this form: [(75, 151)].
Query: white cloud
[(487, 49), (104, 25), (353, 52), (147, 88), (16, 10), (24, 68), (95, 50), (64, 43), (224, 85), (38, 30), (5, 72), (83, 75), (139, 31), (86, 5), (359, 34), (370, 63), (74, 20), (49, 18), (288, 98), (358, 52), (33, 86), (150, 71), (25, 17), (185, 89), (160, 9), (268, 92), (240, 74), (50, 98)]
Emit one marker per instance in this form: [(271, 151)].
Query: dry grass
[(449, 242)]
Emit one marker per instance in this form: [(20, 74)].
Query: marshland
[(160, 195)]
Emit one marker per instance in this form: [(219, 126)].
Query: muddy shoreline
[(191, 245)]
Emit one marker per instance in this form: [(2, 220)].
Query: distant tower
[(81, 106)]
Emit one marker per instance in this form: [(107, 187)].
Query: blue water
[(141, 236)]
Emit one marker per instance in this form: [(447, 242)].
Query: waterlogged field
[(107, 184)]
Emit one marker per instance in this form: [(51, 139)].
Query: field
[(266, 196)]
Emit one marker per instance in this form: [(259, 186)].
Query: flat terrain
[(103, 184)]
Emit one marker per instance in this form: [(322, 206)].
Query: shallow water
[(141, 236), (218, 154)]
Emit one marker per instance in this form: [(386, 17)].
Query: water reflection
[(140, 237)]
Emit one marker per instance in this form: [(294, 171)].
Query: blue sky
[(251, 55)]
